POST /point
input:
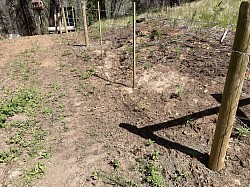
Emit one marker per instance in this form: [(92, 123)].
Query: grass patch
[(30, 175), (25, 134), (113, 179), (26, 100), (204, 13), (20, 69)]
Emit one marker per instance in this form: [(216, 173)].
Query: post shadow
[(243, 117), (147, 132), (113, 82)]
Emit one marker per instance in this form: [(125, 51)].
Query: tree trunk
[(29, 26), (113, 7)]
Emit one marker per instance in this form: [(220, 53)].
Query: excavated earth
[(172, 111)]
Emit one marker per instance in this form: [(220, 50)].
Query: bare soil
[(180, 78)]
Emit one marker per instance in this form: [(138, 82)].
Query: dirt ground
[(110, 133)]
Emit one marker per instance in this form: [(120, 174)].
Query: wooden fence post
[(86, 36), (73, 17), (100, 26), (232, 89), (64, 20), (134, 45), (60, 23), (67, 17)]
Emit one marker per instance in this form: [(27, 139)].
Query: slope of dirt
[(104, 133)]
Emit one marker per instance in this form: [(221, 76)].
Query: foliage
[(113, 179), (33, 173), (152, 170), (180, 175), (25, 100), (90, 72), (20, 13), (115, 163), (92, 15), (11, 155), (242, 131)]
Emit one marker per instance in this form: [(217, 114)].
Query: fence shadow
[(240, 114), (147, 132), (109, 81)]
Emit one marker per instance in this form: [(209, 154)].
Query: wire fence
[(163, 19)]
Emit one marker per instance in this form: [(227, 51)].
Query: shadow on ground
[(147, 132)]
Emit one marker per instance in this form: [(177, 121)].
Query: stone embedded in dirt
[(237, 182), (18, 117), (15, 174)]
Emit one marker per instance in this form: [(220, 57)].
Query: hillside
[(70, 118)]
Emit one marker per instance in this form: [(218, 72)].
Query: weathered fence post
[(60, 23), (67, 17), (73, 17), (100, 26), (56, 26), (86, 36), (64, 20), (232, 89), (134, 45)]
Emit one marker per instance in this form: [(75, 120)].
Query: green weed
[(242, 131), (90, 72), (47, 111), (149, 142), (66, 52), (154, 175), (115, 163), (12, 155), (129, 49), (177, 51), (180, 90), (189, 119), (142, 106), (55, 85), (146, 65), (37, 171), (158, 33), (179, 175), (154, 155), (85, 56), (152, 171)]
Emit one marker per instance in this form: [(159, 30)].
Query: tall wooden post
[(67, 17), (232, 90), (60, 23), (134, 45), (64, 20), (56, 26), (86, 36), (100, 26), (73, 16)]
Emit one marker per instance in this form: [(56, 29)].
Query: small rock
[(195, 101), (184, 132), (129, 90), (15, 174), (237, 182)]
